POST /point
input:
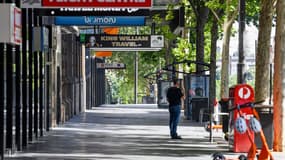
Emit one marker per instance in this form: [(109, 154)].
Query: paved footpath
[(124, 132)]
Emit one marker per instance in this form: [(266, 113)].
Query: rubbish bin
[(266, 120), (188, 108), (225, 109)]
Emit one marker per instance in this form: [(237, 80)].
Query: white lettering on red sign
[(100, 1), (129, 10), (121, 1), (17, 26), (71, 1), (244, 93), (97, 3)]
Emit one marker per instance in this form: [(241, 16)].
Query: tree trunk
[(263, 51), (225, 60), (212, 96), (227, 26), (203, 13), (214, 38), (279, 76)]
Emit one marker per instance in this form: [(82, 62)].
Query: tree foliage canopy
[(181, 47)]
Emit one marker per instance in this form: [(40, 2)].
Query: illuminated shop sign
[(97, 3), (101, 20)]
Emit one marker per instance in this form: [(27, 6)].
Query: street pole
[(136, 78), (240, 66), (136, 75)]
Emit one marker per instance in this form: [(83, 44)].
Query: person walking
[(174, 97)]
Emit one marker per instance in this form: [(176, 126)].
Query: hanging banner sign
[(111, 66), (101, 20), (122, 41), (90, 11), (11, 28), (17, 33), (97, 3)]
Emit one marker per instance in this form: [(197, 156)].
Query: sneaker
[(176, 137)]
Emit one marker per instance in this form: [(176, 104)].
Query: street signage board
[(111, 66), (87, 3), (31, 4), (86, 31), (96, 3), (40, 39), (11, 28), (123, 41), (91, 11), (100, 20)]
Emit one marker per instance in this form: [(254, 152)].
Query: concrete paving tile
[(124, 132)]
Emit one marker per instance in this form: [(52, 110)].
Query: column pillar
[(24, 79)]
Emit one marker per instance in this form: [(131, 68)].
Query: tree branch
[(193, 7), (216, 15), (234, 15), (274, 3)]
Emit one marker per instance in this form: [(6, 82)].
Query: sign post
[(11, 29)]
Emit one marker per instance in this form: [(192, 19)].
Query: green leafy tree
[(123, 80), (263, 50), (214, 17), (231, 12), (201, 12)]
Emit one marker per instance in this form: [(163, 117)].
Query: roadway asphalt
[(125, 132)]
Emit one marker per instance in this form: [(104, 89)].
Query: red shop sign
[(98, 3), (17, 26)]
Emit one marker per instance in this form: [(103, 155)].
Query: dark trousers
[(174, 116)]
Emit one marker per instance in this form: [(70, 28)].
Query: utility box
[(11, 24), (238, 95)]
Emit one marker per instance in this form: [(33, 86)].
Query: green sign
[(82, 38)]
